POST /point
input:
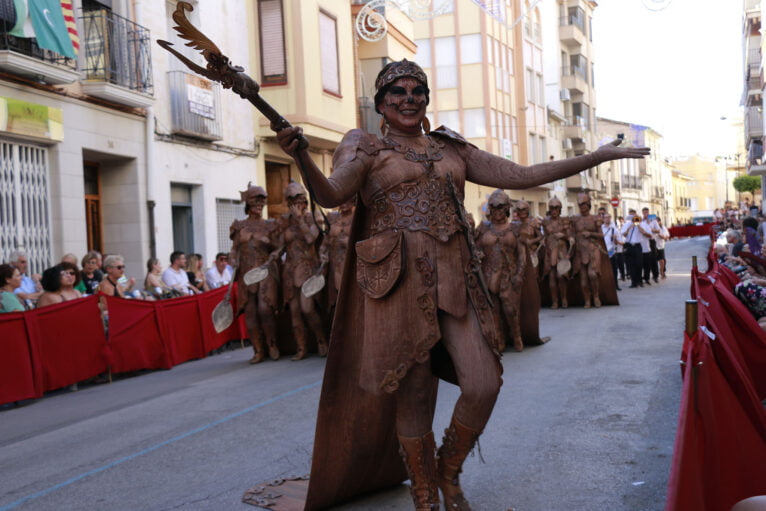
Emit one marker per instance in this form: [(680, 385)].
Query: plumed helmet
[(294, 189), (395, 70), (522, 204), (253, 191), (554, 202), (499, 198)]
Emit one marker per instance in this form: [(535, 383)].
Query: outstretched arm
[(489, 170)]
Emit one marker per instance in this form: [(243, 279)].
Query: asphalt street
[(585, 422)]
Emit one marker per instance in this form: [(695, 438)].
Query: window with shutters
[(272, 31), (328, 50)]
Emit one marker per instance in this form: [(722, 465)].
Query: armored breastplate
[(422, 205)]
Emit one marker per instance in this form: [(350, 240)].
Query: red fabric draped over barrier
[(17, 373), (686, 231), (134, 336), (62, 344), (67, 340), (720, 450)]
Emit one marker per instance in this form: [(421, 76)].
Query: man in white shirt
[(649, 230), (613, 240), (219, 274), (662, 237), (175, 276), (631, 230)]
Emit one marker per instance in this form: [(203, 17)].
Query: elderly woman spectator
[(734, 239), (30, 288), (195, 273), (72, 259), (91, 275), (58, 285), (115, 270), (10, 280)]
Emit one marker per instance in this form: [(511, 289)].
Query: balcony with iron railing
[(574, 128), (574, 78), (631, 182), (23, 57), (615, 187), (753, 122), (117, 60), (195, 105)]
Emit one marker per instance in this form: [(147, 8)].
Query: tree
[(746, 183)]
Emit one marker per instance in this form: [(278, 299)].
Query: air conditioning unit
[(565, 95), (566, 144)]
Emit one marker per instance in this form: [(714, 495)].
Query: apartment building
[(486, 83), (682, 214), (706, 183), (73, 136), (305, 60), (570, 91), (647, 182), (752, 96)]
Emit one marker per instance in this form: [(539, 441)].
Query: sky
[(677, 70)]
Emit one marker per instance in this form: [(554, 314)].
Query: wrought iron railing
[(195, 105), (615, 187), (28, 47), (633, 182), (576, 17), (117, 51)]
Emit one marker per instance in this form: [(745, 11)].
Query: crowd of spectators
[(67, 280), (740, 246)]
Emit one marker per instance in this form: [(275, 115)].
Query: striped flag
[(71, 26)]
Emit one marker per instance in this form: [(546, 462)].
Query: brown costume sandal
[(418, 455), (458, 442)]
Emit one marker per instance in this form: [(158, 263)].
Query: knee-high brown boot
[(418, 454), (458, 442), (300, 340)]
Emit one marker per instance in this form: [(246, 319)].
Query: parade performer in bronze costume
[(588, 248), (412, 300), (559, 243), (332, 253), (298, 233), (254, 244), (531, 237), (504, 265)]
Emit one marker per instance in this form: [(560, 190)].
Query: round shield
[(223, 316), (563, 267), (256, 275), (534, 260), (312, 286)]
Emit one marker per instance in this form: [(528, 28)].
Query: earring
[(383, 127), (426, 125)]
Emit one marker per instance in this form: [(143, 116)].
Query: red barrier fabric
[(134, 336), (68, 342), (720, 449), (690, 230), (17, 372), (181, 329)]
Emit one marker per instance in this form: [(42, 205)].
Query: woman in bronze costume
[(254, 243), (332, 253), (504, 264), (559, 243), (299, 233), (412, 301), (531, 236)]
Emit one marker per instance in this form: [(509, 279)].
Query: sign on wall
[(199, 93), (31, 119)]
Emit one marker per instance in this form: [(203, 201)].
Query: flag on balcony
[(71, 26), (48, 25), (23, 26)]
